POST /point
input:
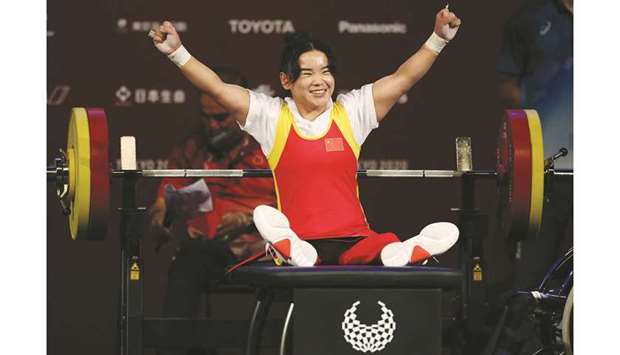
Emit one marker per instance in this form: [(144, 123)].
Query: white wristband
[(180, 56), (435, 43)]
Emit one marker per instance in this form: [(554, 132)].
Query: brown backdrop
[(98, 54)]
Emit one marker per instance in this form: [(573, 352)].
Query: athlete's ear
[(285, 81)]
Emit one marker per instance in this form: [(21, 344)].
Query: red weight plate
[(521, 174), (514, 167), (100, 174)]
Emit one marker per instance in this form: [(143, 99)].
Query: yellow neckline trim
[(286, 120), (311, 138), (341, 118), (283, 127)]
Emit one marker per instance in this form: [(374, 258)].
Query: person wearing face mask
[(210, 219), (312, 144)]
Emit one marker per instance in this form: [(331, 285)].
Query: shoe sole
[(303, 254), (273, 226), (435, 239)]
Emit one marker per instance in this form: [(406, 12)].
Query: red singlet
[(316, 178)]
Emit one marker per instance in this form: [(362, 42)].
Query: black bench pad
[(347, 276)]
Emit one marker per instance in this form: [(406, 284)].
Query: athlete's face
[(315, 85)]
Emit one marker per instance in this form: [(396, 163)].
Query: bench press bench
[(334, 306)]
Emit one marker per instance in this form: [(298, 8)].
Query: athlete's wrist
[(180, 56), (435, 43)]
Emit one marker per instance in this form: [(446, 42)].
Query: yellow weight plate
[(538, 172), (78, 149)]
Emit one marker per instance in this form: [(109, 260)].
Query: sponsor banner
[(126, 96), (58, 95), (255, 26), (371, 28), (124, 25), (387, 164), (147, 164)]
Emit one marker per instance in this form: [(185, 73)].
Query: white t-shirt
[(264, 112)]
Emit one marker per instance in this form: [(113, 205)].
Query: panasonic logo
[(371, 28), (261, 26)]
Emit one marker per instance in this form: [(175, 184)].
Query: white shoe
[(274, 227), (434, 239)]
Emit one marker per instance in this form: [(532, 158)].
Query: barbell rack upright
[(132, 269)]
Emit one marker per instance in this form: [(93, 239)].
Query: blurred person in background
[(536, 72), (209, 219)]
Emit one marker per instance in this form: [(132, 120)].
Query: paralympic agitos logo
[(368, 338)]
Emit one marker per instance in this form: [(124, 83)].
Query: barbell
[(82, 174)]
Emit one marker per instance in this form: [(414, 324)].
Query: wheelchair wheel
[(567, 324)]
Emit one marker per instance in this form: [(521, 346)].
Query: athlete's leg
[(367, 250)]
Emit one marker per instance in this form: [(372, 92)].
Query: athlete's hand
[(446, 24), (165, 38)]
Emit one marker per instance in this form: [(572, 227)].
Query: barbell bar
[(53, 173), (82, 174)]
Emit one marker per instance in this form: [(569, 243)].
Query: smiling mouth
[(320, 92)]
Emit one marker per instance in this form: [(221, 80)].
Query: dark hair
[(296, 44)]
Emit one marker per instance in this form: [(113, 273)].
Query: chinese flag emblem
[(334, 145)]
